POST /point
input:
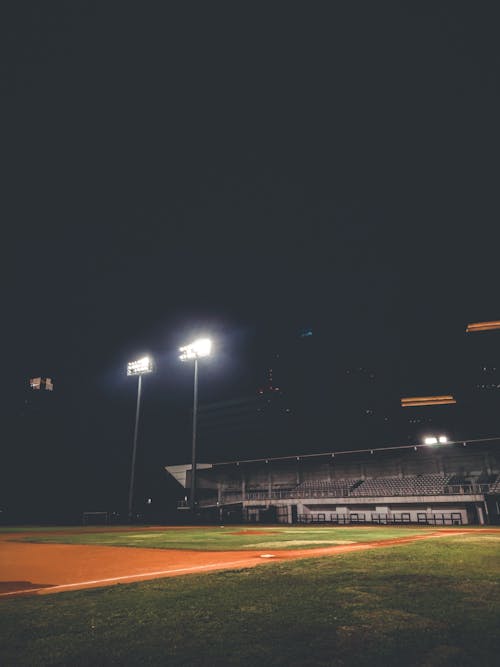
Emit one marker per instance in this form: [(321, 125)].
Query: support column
[(480, 515)]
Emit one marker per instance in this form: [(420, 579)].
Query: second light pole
[(139, 368), (193, 351)]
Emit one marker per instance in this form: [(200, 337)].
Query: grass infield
[(430, 603), (231, 537)]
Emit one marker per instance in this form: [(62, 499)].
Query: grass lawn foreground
[(429, 603)]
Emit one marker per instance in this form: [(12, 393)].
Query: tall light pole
[(193, 351), (139, 368)]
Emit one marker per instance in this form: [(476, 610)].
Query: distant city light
[(144, 365), (200, 348)]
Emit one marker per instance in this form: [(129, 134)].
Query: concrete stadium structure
[(446, 484)]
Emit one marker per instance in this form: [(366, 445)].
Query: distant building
[(41, 383)]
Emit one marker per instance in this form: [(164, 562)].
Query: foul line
[(128, 576)]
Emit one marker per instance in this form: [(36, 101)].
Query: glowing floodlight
[(200, 348), (141, 366), (434, 440)]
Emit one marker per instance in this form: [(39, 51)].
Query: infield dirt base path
[(37, 569)]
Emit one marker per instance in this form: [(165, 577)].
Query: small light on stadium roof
[(144, 365), (199, 348), (434, 440)]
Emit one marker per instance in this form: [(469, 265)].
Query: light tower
[(139, 368), (194, 351)]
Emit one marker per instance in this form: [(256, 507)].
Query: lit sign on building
[(421, 401), (483, 326)]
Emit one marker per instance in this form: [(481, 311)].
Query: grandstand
[(446, 484)]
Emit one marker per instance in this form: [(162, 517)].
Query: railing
[(434, 519), (467, 489), (291, 494)]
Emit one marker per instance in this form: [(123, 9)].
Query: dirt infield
[(37, 569)]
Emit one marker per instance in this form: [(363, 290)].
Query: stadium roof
[(371, 450)]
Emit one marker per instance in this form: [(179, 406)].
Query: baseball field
[(241, 595)]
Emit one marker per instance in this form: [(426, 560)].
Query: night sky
[(247, 171)]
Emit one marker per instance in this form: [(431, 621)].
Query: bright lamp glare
[(431, 440), (144, 365), (200, 348), (443, 439)]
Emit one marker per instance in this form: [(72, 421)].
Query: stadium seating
[(430, 484), (495, 487), (336, 488), (417, 485)]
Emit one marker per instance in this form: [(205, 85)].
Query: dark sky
[(245, 170)]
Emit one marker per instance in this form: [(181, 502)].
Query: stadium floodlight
[(194, 351), (139, 367), (434, 440), (200, 348)]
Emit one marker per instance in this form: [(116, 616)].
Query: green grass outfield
[(429, 603), (230, 537)]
